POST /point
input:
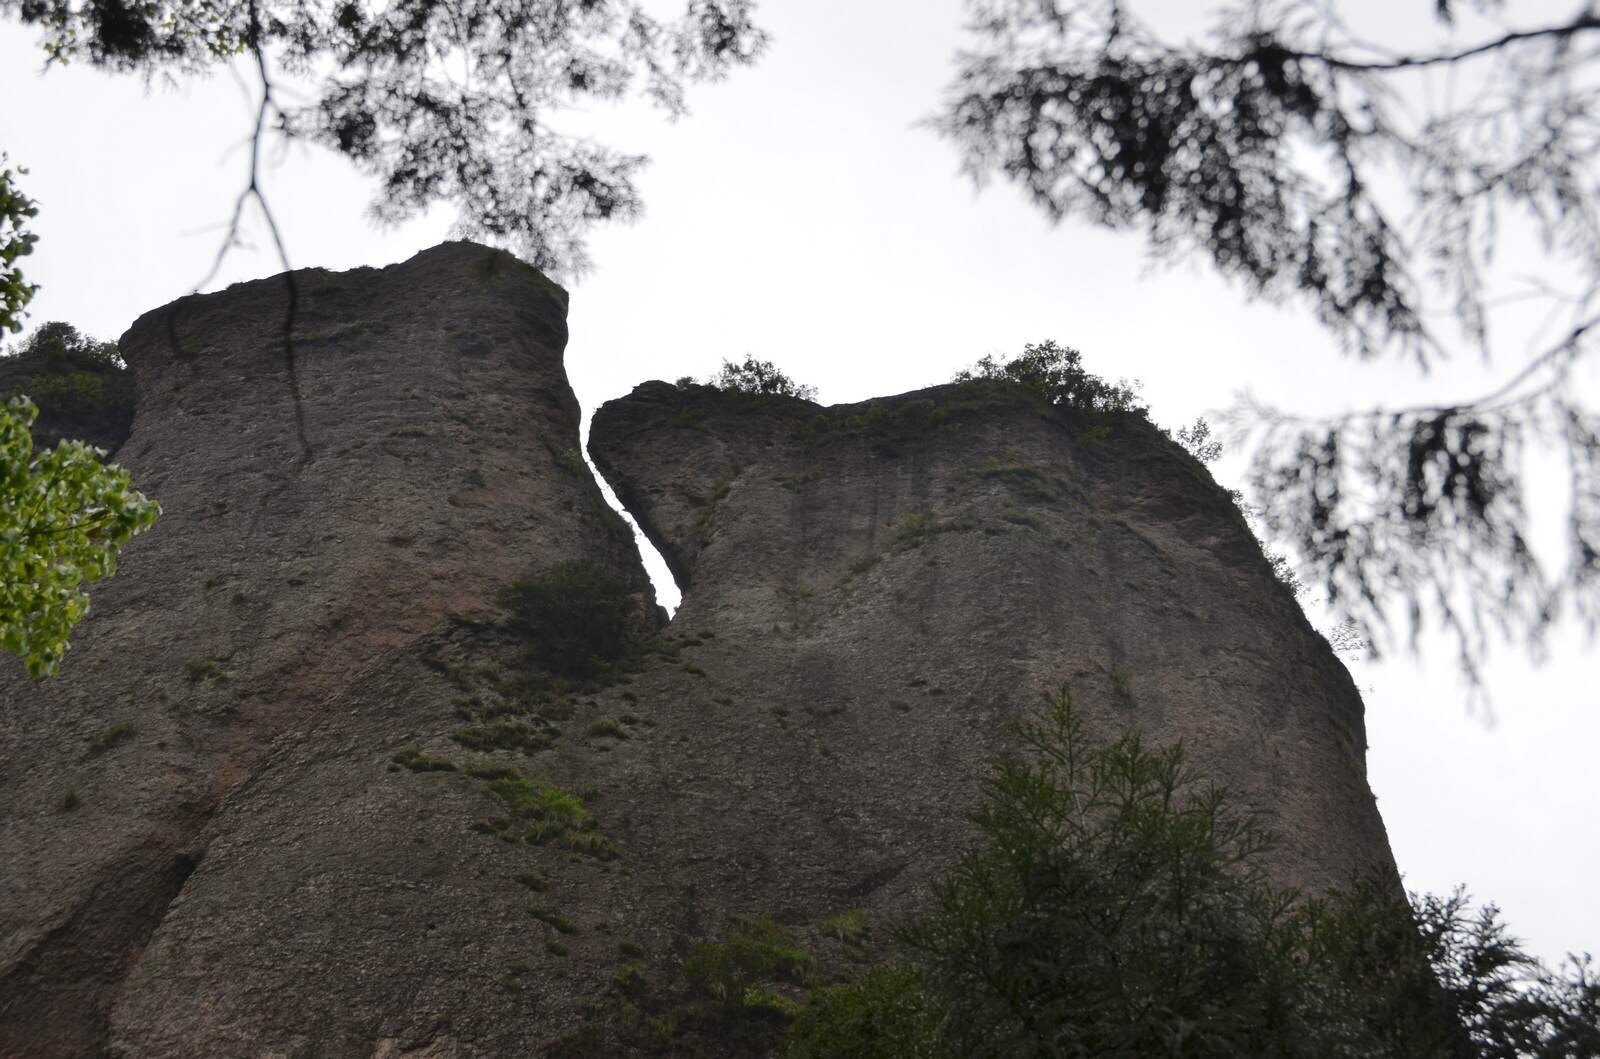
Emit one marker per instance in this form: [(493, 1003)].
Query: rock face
[(304, 791), (890, 583), (233, 699)]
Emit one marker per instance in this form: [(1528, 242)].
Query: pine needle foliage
[(458, 102), (1370, 180)]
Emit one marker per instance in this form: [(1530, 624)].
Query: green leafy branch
[(64, 517)]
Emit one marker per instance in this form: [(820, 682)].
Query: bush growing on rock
[(738, 973), (890, 1012), (574, 618), (1056, 372), (759, 376)]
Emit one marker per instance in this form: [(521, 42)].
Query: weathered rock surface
[(890, 583), (870, 593), (234, 698)]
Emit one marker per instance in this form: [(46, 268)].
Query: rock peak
[(385, 753)]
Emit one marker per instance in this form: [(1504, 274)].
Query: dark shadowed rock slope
[(301, 792)]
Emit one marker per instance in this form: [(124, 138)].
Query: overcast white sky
[(800, 214)]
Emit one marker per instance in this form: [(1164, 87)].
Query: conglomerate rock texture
[(301, 791)]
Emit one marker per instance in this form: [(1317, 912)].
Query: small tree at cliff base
[(1117, 906), (63, 518)]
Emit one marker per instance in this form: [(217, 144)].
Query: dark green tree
[(1117, 906), (1304, 162)]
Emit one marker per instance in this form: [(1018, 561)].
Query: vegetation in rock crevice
[(570, 631), (734, 995), (565, 632), (575, 620)]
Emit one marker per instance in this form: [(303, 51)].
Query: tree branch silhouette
[(266, 108), (1302, 169)]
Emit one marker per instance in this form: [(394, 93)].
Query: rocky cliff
[(312, 783), (898, 578)]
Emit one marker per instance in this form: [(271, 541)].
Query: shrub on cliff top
[(1057, 373), (759, 376)]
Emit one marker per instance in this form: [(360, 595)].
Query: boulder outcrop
[(312, 784)]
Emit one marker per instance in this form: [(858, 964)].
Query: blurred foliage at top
[(81, 387), (1311, 160), (440, 102)]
